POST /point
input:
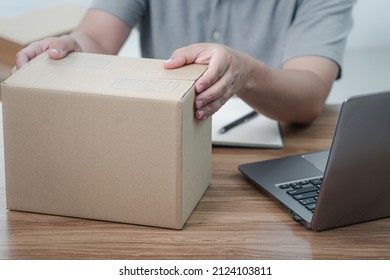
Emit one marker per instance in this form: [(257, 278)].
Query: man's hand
[(294, 93), (57, 47), (223, 78)]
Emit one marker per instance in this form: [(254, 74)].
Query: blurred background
[(367, 59)]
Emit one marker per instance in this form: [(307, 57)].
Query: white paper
[(260, 131)]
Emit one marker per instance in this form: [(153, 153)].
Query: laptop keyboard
[(304, 191)]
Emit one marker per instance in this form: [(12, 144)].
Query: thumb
[(56, 53), (175, 62), (186, 55), (63, 45)]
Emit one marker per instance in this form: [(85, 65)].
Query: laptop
[(348, 184)]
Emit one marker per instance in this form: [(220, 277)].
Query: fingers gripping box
[(107, 138)]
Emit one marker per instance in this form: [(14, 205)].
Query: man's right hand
[(57, 47)]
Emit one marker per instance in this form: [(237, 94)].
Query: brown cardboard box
[(107, 138), (20, 31)]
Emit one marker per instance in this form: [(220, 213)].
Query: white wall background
[(11, 8), (367, 59)]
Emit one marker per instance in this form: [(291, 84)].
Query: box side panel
[(196, 157), (93, 157)]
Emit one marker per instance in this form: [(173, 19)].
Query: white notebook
[(259, 132)]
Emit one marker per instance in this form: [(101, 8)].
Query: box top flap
[(107, 75), (39, 24)]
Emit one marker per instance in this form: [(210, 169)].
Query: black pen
[(237, 122)]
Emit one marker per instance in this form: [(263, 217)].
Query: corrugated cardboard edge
[(197, 155)]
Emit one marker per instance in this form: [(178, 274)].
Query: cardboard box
[(107, 138), (20, 31)]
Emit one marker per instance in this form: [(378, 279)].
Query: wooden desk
[(234, 220), (5, 71)]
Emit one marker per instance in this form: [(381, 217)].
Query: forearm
[(293, 94), (87, 43), (100, 32)]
